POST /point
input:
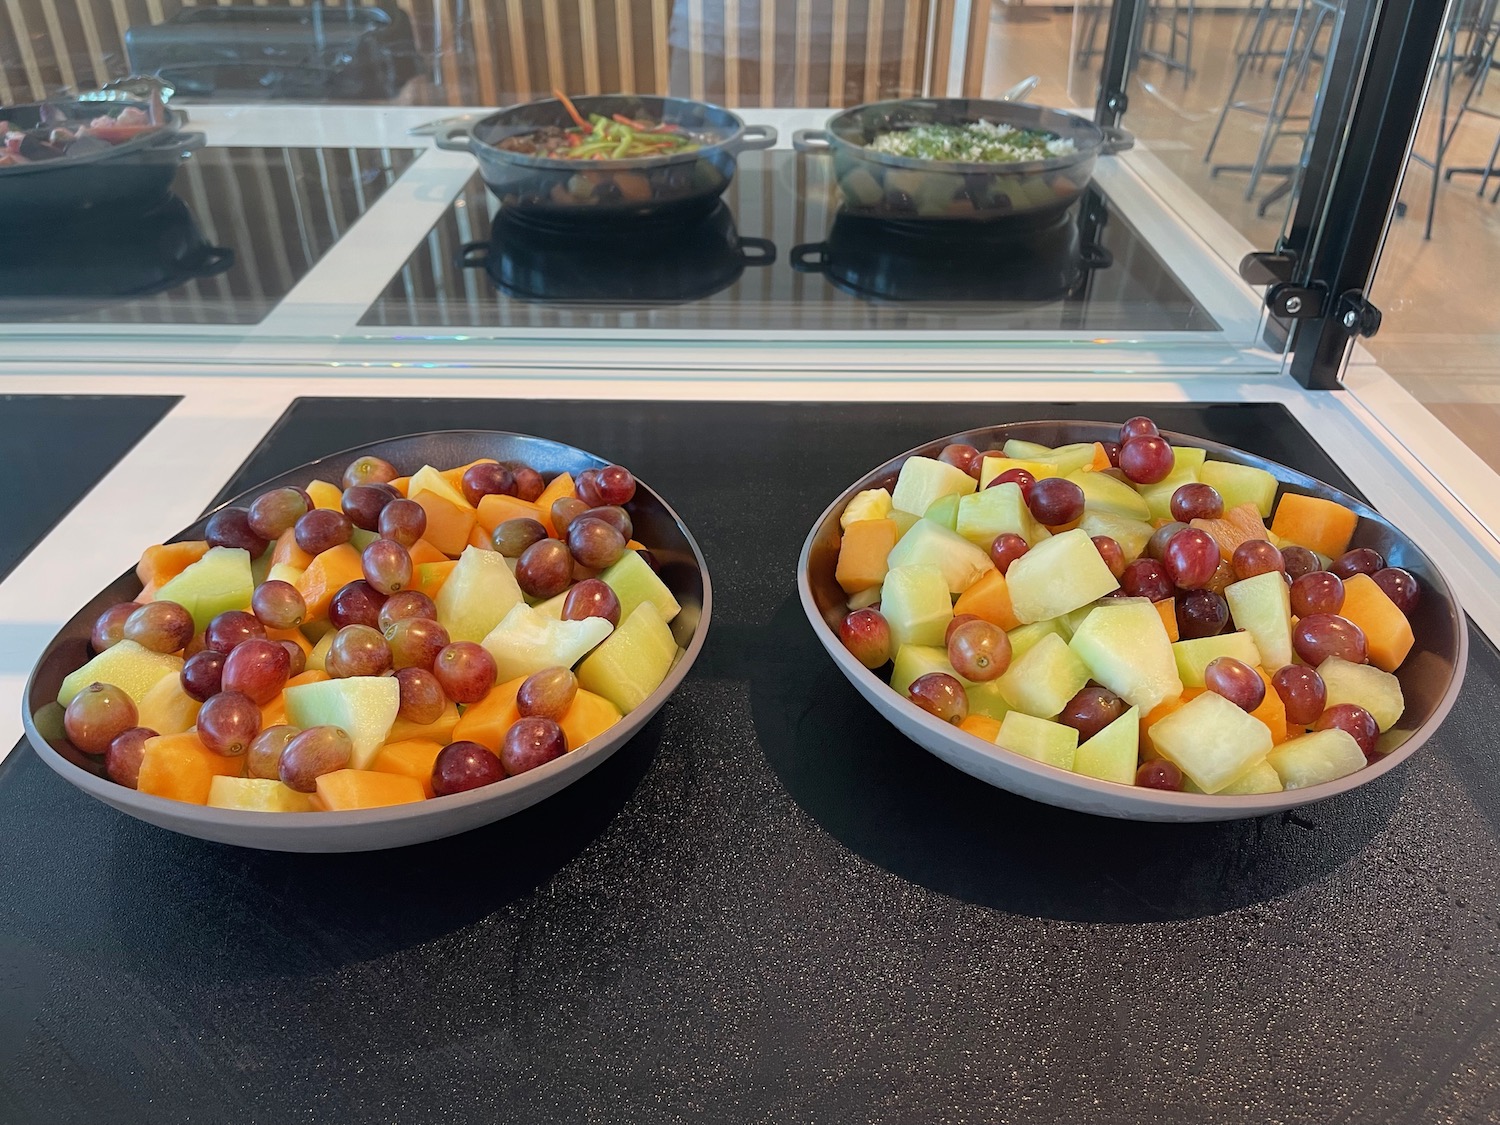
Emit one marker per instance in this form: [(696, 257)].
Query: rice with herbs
[(980, 142)]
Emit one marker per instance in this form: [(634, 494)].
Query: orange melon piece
[(343, 790), (487, 721), (1238, 525), (165, 561), (448, 525), (326, 575), (862, 554), (455, 476), (495, 510), (401, 485), (325, 495), (588, 717), (147, 594), (429, 577), (180, 768), (1101, 459), (293, 635), (424, 552), (413, 758), (273, 714), (558, 487), (1387, 632), (635, 545), (988, 598), (1167, 608), (1317, 524), (478, 538), (981, 726), (440, 730), (1272, 711), (285, 552)]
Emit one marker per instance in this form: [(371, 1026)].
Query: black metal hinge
[(1290, 301)]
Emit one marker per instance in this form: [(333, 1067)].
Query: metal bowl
[(606, 189), (1430, 676), (656, 525), (902, 187)]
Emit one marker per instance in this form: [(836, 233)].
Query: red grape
[(461, 766), (1109, 550), (1256, 556), (1321, 635), (230, 628), (98, 715), (1223, 578), (1006, 549), (1236, 681), (415, 642), (278, 605), (276, 511), (228, 723), (1112, 451), (1018, 477), (1055, 501), (866, 634), (1159, 774), (512, 537), (617, 518), (1139, 426), (1191, 559), (1156, 546), (1302, 693), (591, 598), (940, 695), (422, 698), (203, 674), (263, 759), (465, 671), (160, 626), (529, 483), (1318, 592), (1201, 613), (109, 626), (1355, 720), (564, 510), (357, 650), (230, 527), (312, 753), (547, 694), (1299, 561), (369, 469), (979, 651), (586, 487), (544, 569), (1146, 578), (257, 669), (408, 603), (356, 603), (530, 743), (363, 503), (296, 656), (122, 761), (963, 457), (595, 543), (955, 622), (616, 485), (1091, 710), (321, 530), (487, 478), (1401, 586), (387, 566), (1146, 460), (1361, 560), (1194, 501), (402, 521)]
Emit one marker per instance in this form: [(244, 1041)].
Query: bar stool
[(1177, 16)]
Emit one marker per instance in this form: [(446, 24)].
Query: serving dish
[(899, 187), (608, 189), (1430, 677), (682, 568)]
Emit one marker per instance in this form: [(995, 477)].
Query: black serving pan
[(647, 263), (609, 189)]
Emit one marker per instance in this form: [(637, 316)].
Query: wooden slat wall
[(741, 52)]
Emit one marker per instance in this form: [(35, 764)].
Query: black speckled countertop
[(769, 907)]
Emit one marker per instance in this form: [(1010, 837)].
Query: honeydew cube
[(364, 707), (553, 606), (221, 580), (913, 661), (1125, 646), (944, 510), (923, 480), (1262, 606), (1259, 778), (1042, 681), (1186, 465), (993, 465), (856, 601), (477, 595), (1241, 484), (1323, 755), (1104, 493), (960, 562), (1068, 623), (1131, 535), (1064, 459), (1026, 450), (1038, 739), (1211, 740), (1194, 656), (916, 605), (633, 662), (1365, 686), (1058, 576), (526, 641), (871, 504), (317, 659), (1022, 640), (1113, 754), (995, 511), (126, 665), (256, 794), (904, 521), (634, 582)]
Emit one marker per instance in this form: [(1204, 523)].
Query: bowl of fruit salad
[(388, 645), (1133, 623)]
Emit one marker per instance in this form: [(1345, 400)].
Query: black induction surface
[(769, 907), (240, 229), (803, 265)]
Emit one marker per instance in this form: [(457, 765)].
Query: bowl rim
[(314, 824), (1108, 792)]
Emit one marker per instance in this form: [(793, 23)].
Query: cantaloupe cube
[(1272, 711), (325, 494), (587, 717), (487, 721), (439, 730), (558, 488), (1387, 632), (165, 561), (326, 575), (1317, 524), (308, 676), (413, 758), (401, 485), (1238, 525), (256, 794), (989, 599), (181, 768), (1167, 610), (448, 525), (423, 552), (495, 510), (286, 552), (455, 475), (981, 726), (345, 790), (862, 554), (430, 577)]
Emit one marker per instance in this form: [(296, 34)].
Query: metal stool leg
[(1262, 16)]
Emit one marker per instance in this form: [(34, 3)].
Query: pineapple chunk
[(871, 504)]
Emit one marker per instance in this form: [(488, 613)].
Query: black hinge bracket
[(1358, 316), (1297, 302), (1268, 267), (1117, 102)]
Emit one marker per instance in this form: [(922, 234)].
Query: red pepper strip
[(623, 120), (570, 107)]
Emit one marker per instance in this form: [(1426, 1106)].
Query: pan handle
[(1116, 140), (757, 251), (812, 140), (753, 138), (454, 138), (215, 260), (810, 257), (472, 255)]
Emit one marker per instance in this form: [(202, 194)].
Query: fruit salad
[(1130, 611), (385, 640)]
